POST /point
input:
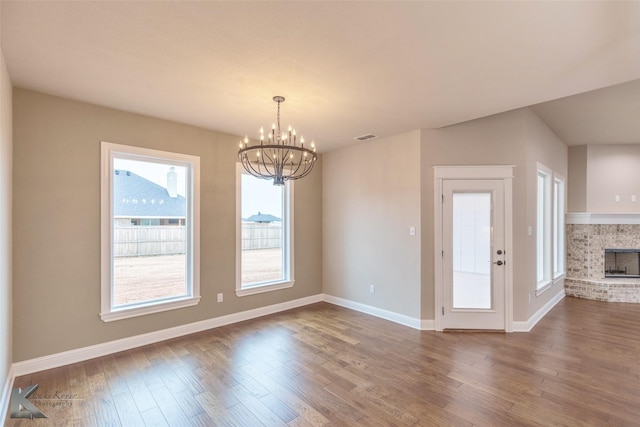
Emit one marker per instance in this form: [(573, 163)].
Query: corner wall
[(545, 147), (494, 140), (56, 211), (6, 167), (371, 198), (517, 138)]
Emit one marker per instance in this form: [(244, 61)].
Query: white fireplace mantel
[(602, 218)]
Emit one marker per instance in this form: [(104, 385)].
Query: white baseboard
[(526, 326), (86, 353), (411, 322), (5, 393)]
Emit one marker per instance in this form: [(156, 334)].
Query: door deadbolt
[(499, 252)]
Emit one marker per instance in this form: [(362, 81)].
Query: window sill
[(543, 286), (258, 289), (142, 310)]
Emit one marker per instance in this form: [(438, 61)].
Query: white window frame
[(550, 228), (558, 227), (288, 240), (109, 151), (543, 228)]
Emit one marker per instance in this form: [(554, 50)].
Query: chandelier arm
[(271, 168), (295, 172), (248, 166), (307, 170), (301, 163), (276, 163)]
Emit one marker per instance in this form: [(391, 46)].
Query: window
[(264, 237), (549, 228), (150, 231), (543, 227), (558, 227)]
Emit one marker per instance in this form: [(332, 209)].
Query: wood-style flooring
[(325, 365)]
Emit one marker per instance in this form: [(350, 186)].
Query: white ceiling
[(346, 68)]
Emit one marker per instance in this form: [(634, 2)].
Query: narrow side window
[(264, 247)]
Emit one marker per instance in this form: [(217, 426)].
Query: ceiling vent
[(365, 137)]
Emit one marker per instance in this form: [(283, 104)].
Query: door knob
[(499, 262)]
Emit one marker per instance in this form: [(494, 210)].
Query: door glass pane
[(471, 251)]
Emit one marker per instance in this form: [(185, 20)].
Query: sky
[(259, 195), (154, 172)]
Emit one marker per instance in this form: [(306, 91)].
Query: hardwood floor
[(326, 365)]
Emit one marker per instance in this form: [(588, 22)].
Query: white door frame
[(502, 172)]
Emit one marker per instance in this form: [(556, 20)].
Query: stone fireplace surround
[(588, 235)]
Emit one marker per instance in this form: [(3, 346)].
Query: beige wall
[(6, 145), (371, 197), (517, 138), (543, 146), (612, 170), (56, 212), (577, 179)]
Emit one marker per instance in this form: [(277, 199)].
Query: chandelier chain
[(279, 132)]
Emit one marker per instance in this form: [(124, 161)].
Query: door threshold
[(494, 331)]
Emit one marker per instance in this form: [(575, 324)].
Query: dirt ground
[(140, 279)]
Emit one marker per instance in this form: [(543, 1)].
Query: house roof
[(260, 217), (137, 197)]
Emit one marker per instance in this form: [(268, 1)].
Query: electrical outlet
[(220, 297), (372, 289), (617, 198), (633, 198)]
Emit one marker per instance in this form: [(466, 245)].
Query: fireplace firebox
[(622, 263)]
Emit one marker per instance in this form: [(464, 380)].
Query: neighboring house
[(149, 218), (261, 231), (138, 201), (263, 218)]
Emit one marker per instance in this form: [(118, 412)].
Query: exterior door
[(473, 254)]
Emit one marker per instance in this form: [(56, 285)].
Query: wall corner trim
[(411, 322), (5, 393), (527, 326), (103, 349)]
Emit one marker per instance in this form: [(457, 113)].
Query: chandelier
[(280, 157)]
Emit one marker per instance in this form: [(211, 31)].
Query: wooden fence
[(148, 240), (261, 236), (170, 239)]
